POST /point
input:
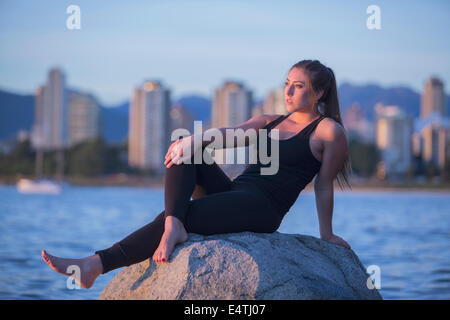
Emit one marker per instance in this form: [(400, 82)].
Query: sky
[(193, 46)]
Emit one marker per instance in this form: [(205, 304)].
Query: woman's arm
[(255, 123), (195, 142), (335, 148)]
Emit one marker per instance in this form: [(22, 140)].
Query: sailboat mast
[(60, 165), (39, 163)]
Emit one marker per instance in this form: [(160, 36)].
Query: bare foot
[(90, 268), (174, 233)]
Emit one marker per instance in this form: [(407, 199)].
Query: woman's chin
[(290, 108)]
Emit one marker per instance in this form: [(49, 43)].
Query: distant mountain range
[(368, 95), (114, 122), (17, 111), (200, 107)]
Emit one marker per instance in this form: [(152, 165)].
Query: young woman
[(312, 143)]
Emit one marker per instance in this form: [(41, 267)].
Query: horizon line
[(208, 96)]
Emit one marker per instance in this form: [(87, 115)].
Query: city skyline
[(150, 121), (195, 47), (405, 143)]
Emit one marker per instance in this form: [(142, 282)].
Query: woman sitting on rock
[(311, 143)]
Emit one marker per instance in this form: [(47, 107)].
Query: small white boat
[(41, 186)]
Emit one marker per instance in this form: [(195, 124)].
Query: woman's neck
[(304, 117)]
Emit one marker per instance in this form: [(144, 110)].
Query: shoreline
[(122, 180)]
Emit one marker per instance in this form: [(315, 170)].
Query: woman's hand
[(179, 151), (336, 240)]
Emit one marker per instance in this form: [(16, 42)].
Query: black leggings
[(225, 208)]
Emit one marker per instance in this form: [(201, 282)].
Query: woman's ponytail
[(322, 78)]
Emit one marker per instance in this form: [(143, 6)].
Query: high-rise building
[(37, 134), (433, 134), (149, 126), (232, 105), (180, 117), (393, 131), (83, 118), (57, 111), (443, 155), (257, 110), (274, 102), (50, 127), (432, 98), (430, 143), (356, 123), (435, 142)]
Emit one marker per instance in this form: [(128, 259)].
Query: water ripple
[(407, 235)]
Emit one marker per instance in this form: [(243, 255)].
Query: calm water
[(406, 234)]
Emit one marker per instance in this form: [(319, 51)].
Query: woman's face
[(296, 93)]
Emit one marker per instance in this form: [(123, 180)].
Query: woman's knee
[(181, 165)]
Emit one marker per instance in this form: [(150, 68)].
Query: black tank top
[(297, 167)]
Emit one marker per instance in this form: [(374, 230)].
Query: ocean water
[(404, 234)]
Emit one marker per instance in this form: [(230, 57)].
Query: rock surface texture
[(247, 266)]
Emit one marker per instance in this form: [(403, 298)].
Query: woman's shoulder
[(328, 128)]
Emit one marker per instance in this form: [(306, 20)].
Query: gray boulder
[(247, 266)]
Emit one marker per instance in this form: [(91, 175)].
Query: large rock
[(247, 266)]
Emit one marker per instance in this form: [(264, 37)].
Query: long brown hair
[(322, 78)]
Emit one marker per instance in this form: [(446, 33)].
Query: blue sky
[(192, 46)]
